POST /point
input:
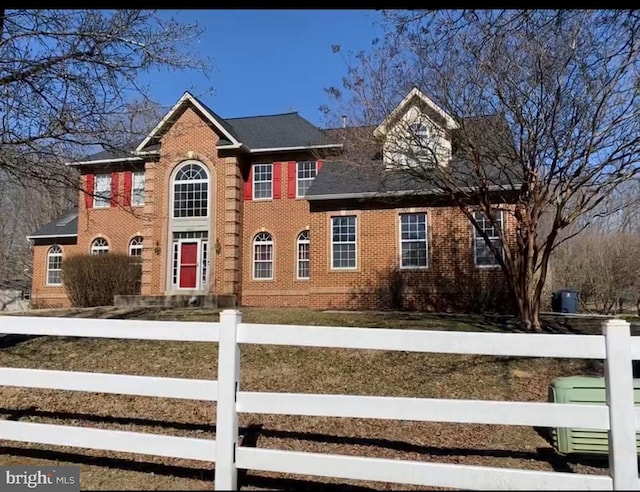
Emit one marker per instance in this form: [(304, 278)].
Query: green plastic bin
[(586, 390)]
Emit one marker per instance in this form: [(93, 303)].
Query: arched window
[(303, 267), (191, 191), (54, 265), (135, 246), (263, 256), (99, 246)]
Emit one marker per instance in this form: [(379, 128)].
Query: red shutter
[(248, 184), (88, 190), (319, 166), (114, 189), (126, 200), (291, 180), (277, 180)]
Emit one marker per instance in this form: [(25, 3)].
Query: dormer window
[(419, 146)]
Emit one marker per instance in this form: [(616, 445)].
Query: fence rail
[(619, 416)]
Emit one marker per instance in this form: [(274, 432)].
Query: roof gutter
[(302, 147), (379, 194), (104, 161), (49, 236)]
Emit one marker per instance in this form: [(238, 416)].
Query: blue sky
[(268, 61)]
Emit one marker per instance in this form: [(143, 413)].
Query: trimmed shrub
[(93, 280)]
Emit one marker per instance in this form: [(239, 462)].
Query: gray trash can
[(565, 301)]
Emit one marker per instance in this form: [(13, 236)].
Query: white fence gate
[(619, 416)]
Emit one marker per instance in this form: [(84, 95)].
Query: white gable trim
[(187, 97), (415, 92)]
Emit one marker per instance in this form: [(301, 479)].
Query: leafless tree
[(71, 85), (561, 89), (68, 79)]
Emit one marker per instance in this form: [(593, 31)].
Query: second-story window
[(191, 191), (262, 181), (306, 171), (102, 191), (137, 188)]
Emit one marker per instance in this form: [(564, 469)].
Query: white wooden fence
[(619, 416)]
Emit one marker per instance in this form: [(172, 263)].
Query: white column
[(226, 474), (618, 373)]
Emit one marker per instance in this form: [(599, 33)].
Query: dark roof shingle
[(277, 131), (63, 226)]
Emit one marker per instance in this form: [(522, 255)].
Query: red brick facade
[(235, 218)]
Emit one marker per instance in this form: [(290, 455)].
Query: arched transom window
[(191, 191), (263, 256), (135, 246), (99, 246), (303, 266), (54, 265)]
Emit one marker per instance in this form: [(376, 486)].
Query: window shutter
[(114, 189), (291, 180), (248, 184), (319, 166), (277, 180), (89, 189), (126, 201)]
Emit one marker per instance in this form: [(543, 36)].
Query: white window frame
[(102, 197), (255, 261), (55, 251), (137, 188), (477, 237), (303, 239), (418, 147), (425, 241), (99, 246), (355, 242), (175, 182), (136, 244), (254, 181), (305, 179)]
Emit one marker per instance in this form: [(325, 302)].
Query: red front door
[(188, 265)]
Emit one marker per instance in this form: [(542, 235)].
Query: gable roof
[(253, 134), (213, 118), (64, 226), (414, 94), (367, 179)]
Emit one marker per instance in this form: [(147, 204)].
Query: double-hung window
[(102, 191), (137, 188), (482, 254), (343, 242), (306, 172), (262, 181), (413, 240)]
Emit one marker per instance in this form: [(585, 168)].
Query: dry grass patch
[(292, 369)]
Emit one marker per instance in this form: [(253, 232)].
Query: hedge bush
[(93, 280)]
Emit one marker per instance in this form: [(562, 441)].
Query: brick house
[(262, 208)]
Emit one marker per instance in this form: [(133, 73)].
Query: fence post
[(226, 474), (623, 461)]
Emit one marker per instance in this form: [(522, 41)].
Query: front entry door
[(188, 265)]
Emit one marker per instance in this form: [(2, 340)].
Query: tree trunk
[(527, 311)]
